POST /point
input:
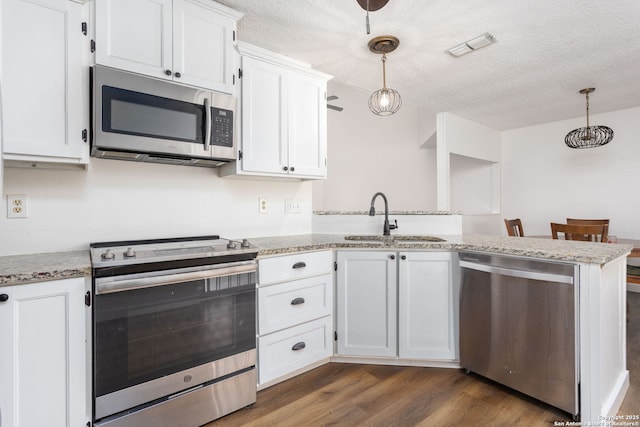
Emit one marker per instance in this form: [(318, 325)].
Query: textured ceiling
[(546, 51)]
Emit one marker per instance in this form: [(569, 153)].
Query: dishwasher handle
[(524, 274)]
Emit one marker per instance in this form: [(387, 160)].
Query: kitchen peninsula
[(602, 293)]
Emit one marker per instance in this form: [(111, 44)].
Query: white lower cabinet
[(397, 304), (295, 321), (43, 357)]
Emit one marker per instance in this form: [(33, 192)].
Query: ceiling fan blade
[(334, 107), (332, 98)]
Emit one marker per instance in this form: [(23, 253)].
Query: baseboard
[(612, 404), (397, 362)]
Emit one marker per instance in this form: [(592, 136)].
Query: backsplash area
[(115, 200)]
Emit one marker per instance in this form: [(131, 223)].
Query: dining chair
[(583, 232), (579, 221), (514, 227)]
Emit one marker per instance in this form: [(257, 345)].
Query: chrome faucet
[(386, 229)]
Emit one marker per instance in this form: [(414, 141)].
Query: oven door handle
[(109, 285)]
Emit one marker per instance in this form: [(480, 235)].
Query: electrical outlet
[(263, 205), (16, 205), (292, 206)]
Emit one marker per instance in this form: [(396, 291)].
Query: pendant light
[(590, 136), (385, 101)]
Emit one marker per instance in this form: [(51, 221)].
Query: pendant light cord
[(384, 71), (587, 94), (367, 20)]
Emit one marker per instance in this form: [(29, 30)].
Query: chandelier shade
[(589, 136)]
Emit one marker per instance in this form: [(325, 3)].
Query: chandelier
[(385, 101), (589, 136)]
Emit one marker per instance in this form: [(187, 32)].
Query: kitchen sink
[(395, 238)]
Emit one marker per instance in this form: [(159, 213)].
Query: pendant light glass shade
[(385, 101), (589, 136)]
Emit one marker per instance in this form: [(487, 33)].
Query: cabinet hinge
[(234, 35), (239, 154), (84, 28), (88, 424), (335, 335), (87, 299), (93, 45), (335, 266), (84, 135), (239, 73), (234, 79)]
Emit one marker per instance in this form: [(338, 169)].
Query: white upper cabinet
[(45, 82), (187, 41), (284, 117)]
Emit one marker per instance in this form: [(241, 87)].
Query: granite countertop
[(560, 250), (21, 269)]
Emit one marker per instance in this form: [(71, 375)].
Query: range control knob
[(129, 253), (245, 244), (107, 254), (232, 245)]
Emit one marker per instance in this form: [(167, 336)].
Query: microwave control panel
[(222, 122)]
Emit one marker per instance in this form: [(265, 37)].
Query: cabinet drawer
[(286, 351), (292, 267), (288, 304)]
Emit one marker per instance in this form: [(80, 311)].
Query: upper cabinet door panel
[(307, 125), (202, 47), (264, 144), (43, 75), (135, 35)]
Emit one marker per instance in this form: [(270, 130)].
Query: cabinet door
[(135, 35), (45, 81), (307, 119), (264, 125), (43, 359), (366, 303), (428, 301), (202, 46)]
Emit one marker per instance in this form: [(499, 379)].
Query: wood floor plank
[(342, 394)]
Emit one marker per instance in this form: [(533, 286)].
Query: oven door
[(160, 333)]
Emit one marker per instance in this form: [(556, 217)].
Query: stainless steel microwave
[(143, 119)]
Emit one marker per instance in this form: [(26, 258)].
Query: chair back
[(577, 221), (514, 227), (583, 232)]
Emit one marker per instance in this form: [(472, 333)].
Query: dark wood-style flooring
[(339, 394)]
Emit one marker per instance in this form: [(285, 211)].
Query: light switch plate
[(292, 206)]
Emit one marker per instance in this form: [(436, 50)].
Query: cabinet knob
[(167, 72), (178, 75), (4, 297), (403, 257), (292, 168), (285, 168), (392, 256)]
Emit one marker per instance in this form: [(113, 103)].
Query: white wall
[(469, 172), (117, 200), (545, 181), (369, 153)]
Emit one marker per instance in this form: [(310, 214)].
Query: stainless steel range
[(174, 338)]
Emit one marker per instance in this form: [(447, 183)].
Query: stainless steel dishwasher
[(518, 325)]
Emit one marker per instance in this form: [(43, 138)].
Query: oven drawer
[(292, 267), (286, 351), (288, 304)]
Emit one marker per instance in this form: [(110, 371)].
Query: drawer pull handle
[(298, 346), (299, 265), (297, 301)]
